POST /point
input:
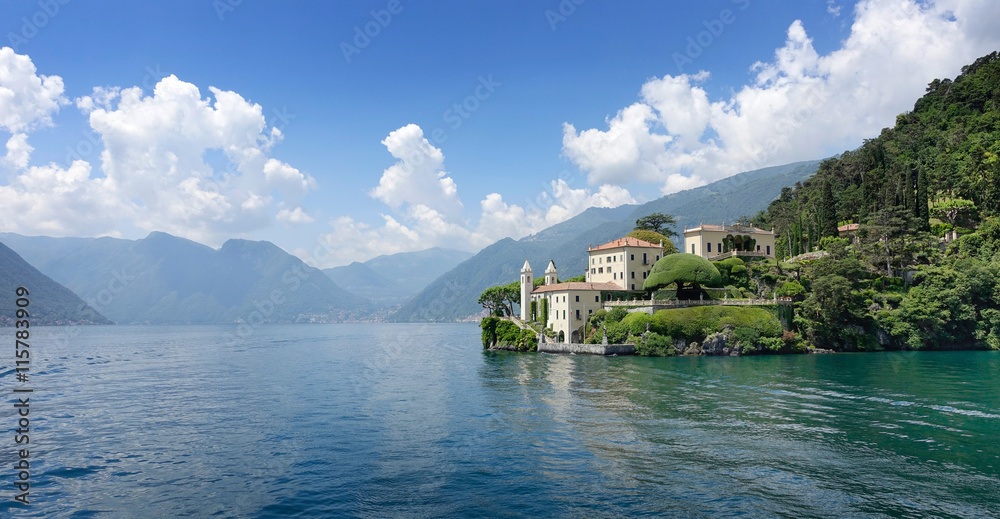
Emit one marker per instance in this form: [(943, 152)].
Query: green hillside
[(901, 280), (453, 295), (49, 302)]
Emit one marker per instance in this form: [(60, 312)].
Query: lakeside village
[(641, 297)]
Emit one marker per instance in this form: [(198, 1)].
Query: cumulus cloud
[(153, 169), (800, 105), (297, 215), (27, 100), (428, 212)]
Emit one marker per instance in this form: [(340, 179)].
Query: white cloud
[(18, 152), (297, 215), (154, 172), (418, 176), (428, 210), (800, 105), (27, 100), (832, 8), (50, 200)]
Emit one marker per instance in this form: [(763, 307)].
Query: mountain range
[(163, 279), (48, 302), (392, 279), (454, 295)]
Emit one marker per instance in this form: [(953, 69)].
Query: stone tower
[(527, 285), (551, 276)]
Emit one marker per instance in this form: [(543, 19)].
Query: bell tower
[(527, 286)]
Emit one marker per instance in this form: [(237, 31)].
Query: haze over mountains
[(163, 279), (49, 303)]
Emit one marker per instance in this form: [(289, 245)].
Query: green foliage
[(694, 324), (792, 289), (501, 299), (576, 279), (616, 314), (683, 269), (617, 332), (498, 332), (545, 312), (655, 345), (533, 310), (636, 322), (658, 223)]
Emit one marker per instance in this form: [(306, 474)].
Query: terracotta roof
[(577, 285), (728, 228), (626, 241), (848, 227)]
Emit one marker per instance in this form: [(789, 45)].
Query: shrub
[(682, 268), (617, 332), (792, 289), (636, 322), (544, 311), (655, 345), (616, 314)]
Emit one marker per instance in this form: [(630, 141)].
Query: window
[(590, 311), (632, 257), (591, 261), (768, 250), (577, 299), (633, 286), (564, 314), (597, 299), (600, 270), (609, 259), (709, 247), (644, 257), (633, 274), (657, 257), (578, 314), (692, 250), (644, 275), (593, 271), (758, 248), (615, 275)]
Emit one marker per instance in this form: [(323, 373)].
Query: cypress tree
[(828, 211), (923, 211), (909, 196)]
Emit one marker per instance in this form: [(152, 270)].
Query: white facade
[(626, 262), (716, 241), (527, 285), (571, 305)]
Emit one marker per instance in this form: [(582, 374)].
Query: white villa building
[(614, 270), (716, 242)]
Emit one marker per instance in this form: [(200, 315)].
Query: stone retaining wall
[(586, 349)]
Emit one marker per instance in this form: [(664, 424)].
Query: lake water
[(412, 420)]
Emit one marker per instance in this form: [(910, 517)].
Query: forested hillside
[(921, 267)]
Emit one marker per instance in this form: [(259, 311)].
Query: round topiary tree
[(688, 271)]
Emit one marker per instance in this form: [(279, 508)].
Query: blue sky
[(448, 123)]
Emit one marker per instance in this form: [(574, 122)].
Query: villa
[(717, 242), (616, 270)]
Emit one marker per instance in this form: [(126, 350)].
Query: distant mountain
[(163, 279), (392, 279), (49, 303), (453, 295)]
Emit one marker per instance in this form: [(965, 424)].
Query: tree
[(827, 213), (683, 269), (657, 222), (885, 232), (544, 312), (954, 211), (655, 238), (501, 298)]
